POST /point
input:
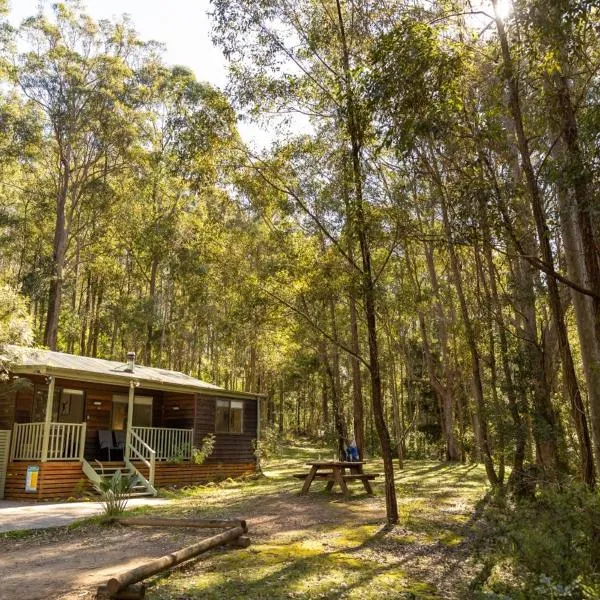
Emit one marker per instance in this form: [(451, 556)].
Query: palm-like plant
[(115, 492)]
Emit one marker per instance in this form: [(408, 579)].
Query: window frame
[(229, 401)]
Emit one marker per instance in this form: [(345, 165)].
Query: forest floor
[(312, 546)]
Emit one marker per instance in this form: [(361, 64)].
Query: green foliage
[(268, 446), (199, 455), (551, 545), (178, 453), (114, 492), (16, 326)]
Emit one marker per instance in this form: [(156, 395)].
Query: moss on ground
[(341, 550)]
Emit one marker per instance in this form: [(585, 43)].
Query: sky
[(183, 26)]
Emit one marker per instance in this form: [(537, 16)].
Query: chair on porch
[(120, 441), (106, 442)]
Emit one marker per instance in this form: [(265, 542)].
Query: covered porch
[(68, 420)]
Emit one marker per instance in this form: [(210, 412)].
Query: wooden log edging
[(198, 523), (170, 560)]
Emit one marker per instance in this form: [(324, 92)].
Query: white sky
[(183, 26)]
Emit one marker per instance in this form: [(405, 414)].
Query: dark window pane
[(222, 416), (236, 417), (142, 415)]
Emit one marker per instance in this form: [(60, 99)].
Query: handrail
[(134, 437)]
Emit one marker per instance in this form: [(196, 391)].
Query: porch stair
[(98, 471)]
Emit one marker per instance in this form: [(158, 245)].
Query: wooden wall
[(60, 480), (183, 474), (177, 411), (229, 447), (7, 407), (55, 480)]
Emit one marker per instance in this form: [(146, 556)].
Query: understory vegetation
[(455, 538)]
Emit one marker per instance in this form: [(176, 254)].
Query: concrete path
[(28, 515)]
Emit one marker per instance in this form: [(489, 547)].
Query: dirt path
[(72, 563)]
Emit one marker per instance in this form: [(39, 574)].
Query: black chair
[(106, 442), (120, 440)]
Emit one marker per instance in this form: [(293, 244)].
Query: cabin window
[(142, 411), (229, 416), (69, 408)]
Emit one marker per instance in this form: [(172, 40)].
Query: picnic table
[(336, 471)]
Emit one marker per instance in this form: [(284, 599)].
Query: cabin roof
[(24, 360)]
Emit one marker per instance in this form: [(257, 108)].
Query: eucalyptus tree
[(306, 57), (185, 130), (80, 74), (511, 77)]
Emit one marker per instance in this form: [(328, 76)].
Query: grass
[(319, 546)]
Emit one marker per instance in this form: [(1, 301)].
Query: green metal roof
[(60, 364)]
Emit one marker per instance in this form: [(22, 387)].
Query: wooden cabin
[(67, 421)]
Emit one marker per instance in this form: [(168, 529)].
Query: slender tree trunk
[(515, 409), (445, 392), (151, 310), (480, 416), (580, 244), (398, 430), (357, 394), (569, 377), (353, 129), (59, 249)]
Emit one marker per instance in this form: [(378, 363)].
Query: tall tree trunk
[(580, 243), (396, 410), (59, 249), (480, 416), (354, 134), (569, 377), (357, 394), (445, 392), (151, 310), (515, 408)]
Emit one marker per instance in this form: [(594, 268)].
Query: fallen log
[(164, 562), (199, 523), (137, 591), (242, 542)]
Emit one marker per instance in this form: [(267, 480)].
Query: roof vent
[(130, 361)]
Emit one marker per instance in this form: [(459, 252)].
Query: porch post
[(48, 420), (129, 419)]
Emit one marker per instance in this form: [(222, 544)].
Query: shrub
[(178, 453), (199, 455), (552, 544), (114, 492), (268, 445)]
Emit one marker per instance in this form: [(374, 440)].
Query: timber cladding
[(184, 474), (55, 480), (229, 448), (60, 480)]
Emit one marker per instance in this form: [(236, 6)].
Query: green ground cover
[(320, 546)]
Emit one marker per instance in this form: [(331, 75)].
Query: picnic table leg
[(329, 485), (309, 479), (358, 469), (338, 475)]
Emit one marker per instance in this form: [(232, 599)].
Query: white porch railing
[(169, 444), (66, 441)]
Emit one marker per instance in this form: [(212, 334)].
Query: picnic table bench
[(335, 472)]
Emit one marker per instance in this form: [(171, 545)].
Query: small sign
[(31, 479)]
